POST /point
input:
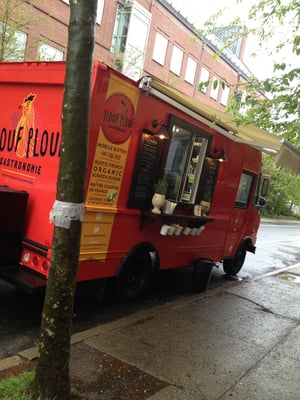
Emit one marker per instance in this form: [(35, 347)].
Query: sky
[(197, 13)]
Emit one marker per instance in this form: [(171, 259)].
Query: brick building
[(138, 37)]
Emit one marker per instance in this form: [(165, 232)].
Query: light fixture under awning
[(223, 122)]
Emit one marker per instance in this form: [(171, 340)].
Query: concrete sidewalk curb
[(10, 362), (279, 221), (32, 353)]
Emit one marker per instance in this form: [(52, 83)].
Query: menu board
[(145, 173), (209, 179)]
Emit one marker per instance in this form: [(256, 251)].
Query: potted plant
[(159, 197), (205, 204)]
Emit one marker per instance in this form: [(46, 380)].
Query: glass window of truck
[(185, 158)]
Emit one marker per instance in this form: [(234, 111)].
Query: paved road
[(278, 246)]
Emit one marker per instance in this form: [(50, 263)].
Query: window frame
[(214, 92), (51, 58), (100, 8), (136, 42), (119, 36), (243, 195), (14, 51), (160, 42), (204, 77), (176, 60), (195, 133), (225, 95), (190, 71)]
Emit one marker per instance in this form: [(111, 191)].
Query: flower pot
[(158, 201), (205, 206), (169, 207)]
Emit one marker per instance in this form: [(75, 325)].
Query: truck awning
[(225, 124), (288, 157)]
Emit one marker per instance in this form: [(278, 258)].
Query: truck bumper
[(23, 279)]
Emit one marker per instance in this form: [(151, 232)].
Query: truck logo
[(20, 146), (118, 118), (25, 128), (26, 140)]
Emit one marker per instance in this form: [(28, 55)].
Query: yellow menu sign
[(108, 167)]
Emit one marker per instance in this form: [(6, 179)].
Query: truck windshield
[(184, 164)]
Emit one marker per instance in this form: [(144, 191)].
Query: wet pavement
[(238, 342)]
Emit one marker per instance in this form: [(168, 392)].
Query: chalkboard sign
[(145, 173), (208, 179)]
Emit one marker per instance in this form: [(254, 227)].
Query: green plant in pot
[(161, 186), (159, 197)]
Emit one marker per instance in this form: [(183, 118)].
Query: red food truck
[(144, 136)]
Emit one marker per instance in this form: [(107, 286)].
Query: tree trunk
[(52, 379)]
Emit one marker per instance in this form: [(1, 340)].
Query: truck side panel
[(125, 161), (30, 141)]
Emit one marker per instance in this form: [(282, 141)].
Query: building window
[(14, 44), (136, 43), (130, 38), (214, 90), (120, 29), (190, 70), (204, 80), (99, 10), (233, 35), (160, 48), (176, 60), (225, 95), (49, 53)]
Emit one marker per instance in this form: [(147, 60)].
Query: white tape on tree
[(63, 213)]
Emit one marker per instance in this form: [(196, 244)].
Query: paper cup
[(178, 230), (187, 230), (164, 230), (171, 230)]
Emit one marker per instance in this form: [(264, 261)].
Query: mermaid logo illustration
[(26, 127)]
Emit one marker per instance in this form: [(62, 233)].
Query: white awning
[(288, 157), (225, 124)]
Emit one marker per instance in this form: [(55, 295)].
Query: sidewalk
[(237, 342)]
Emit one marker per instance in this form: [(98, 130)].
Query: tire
[(232, 266), (134, 277)]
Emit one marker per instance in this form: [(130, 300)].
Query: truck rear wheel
[(133, 278), (232, 266)]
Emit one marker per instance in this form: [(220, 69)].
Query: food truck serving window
[(184, 161)]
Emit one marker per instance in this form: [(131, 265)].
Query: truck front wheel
[(133, 277), (232, 266)]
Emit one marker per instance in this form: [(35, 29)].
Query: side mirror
[(264, 189), (261, 202)]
